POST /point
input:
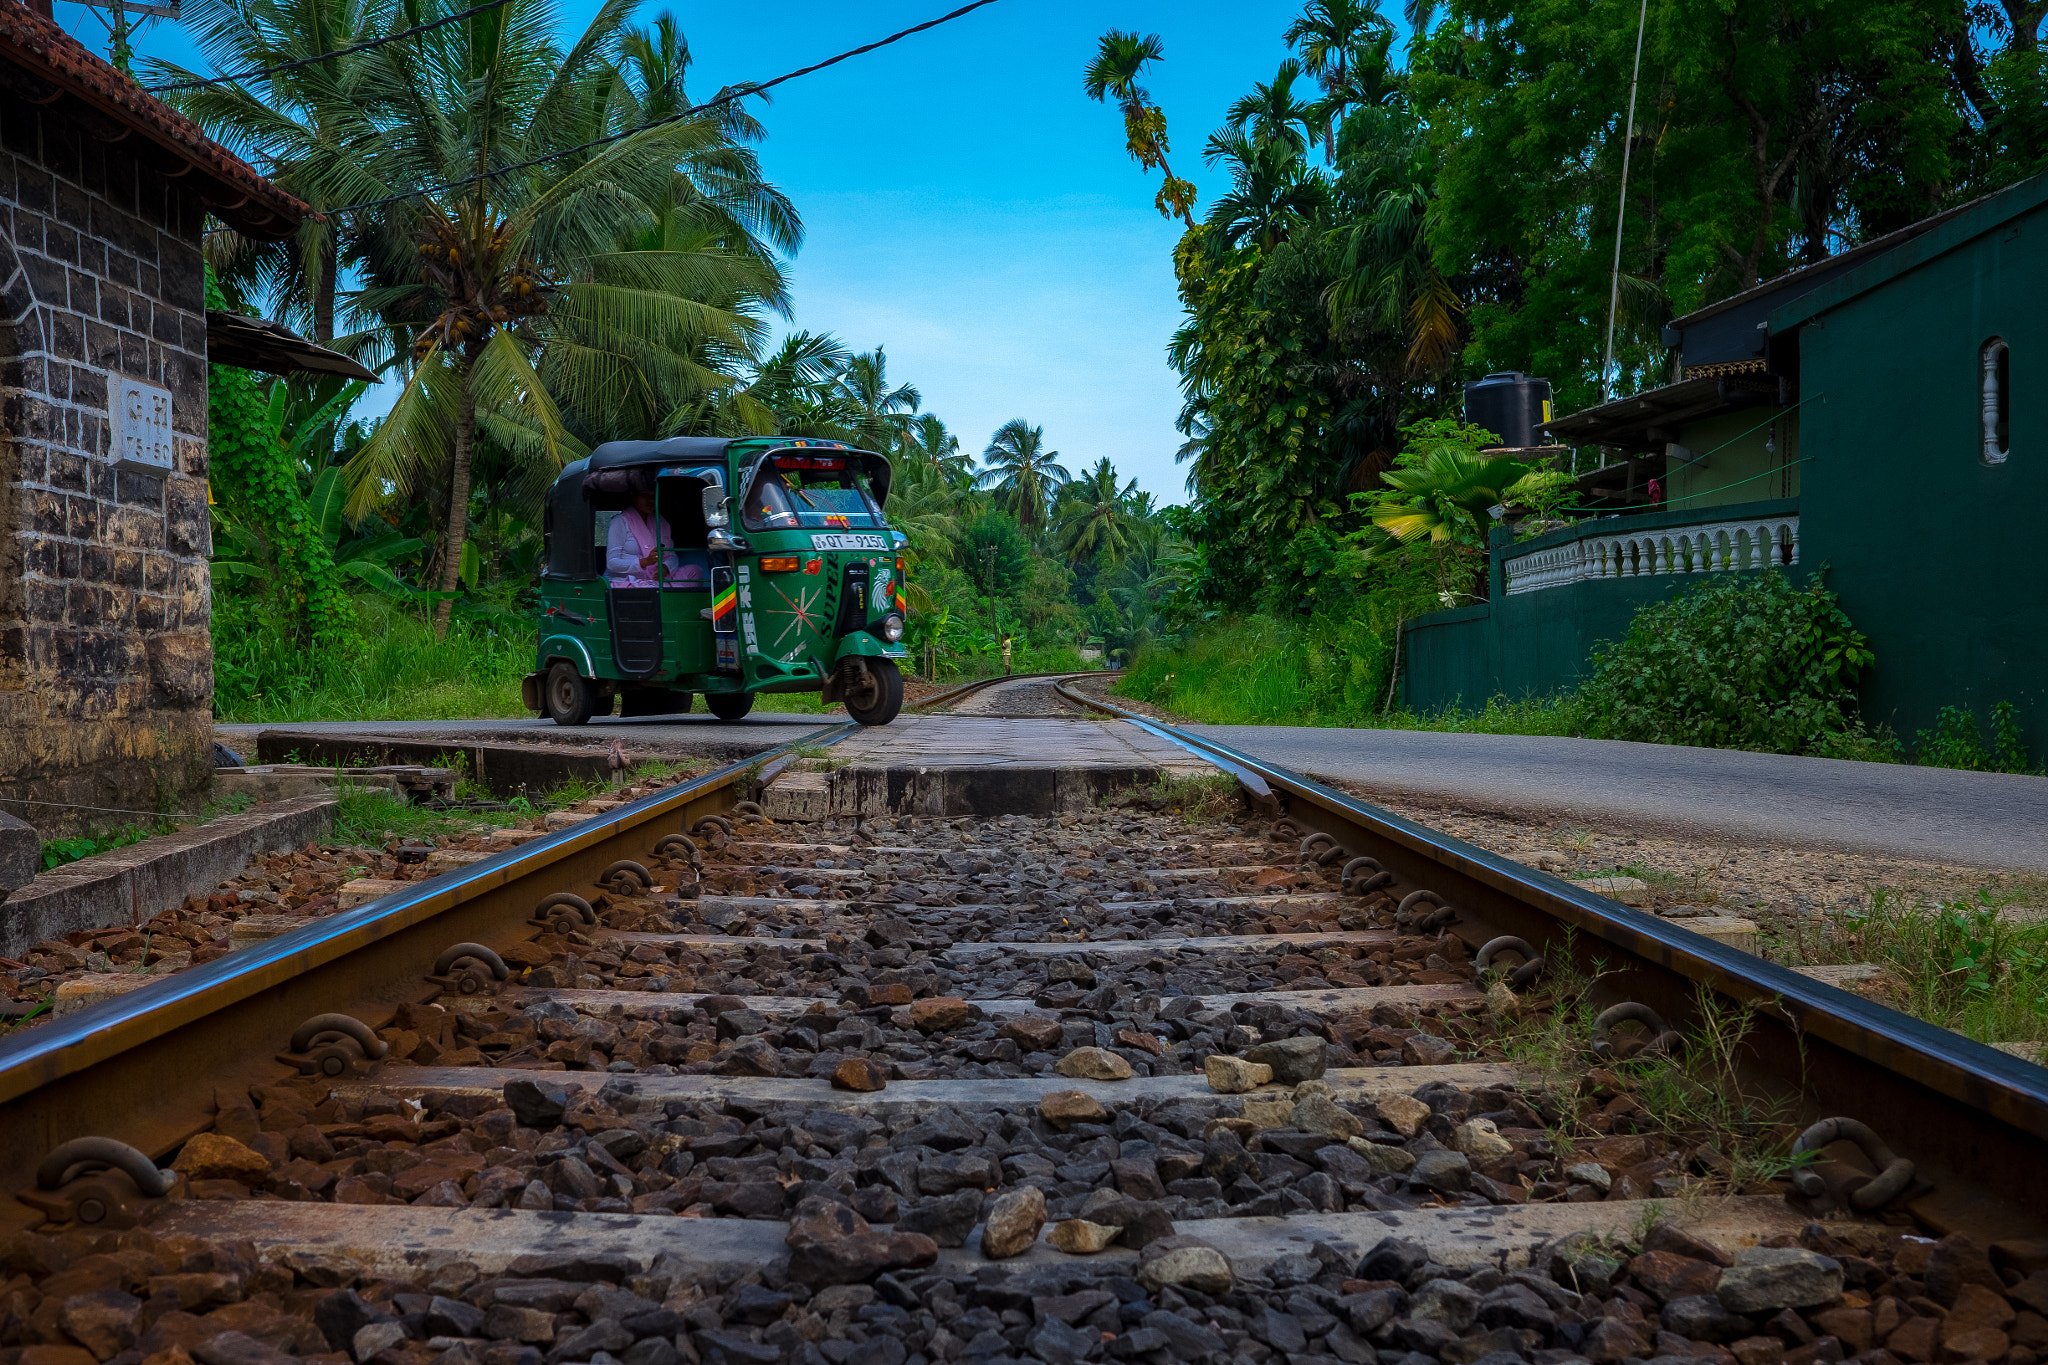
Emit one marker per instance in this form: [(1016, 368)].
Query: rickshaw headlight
[(892, 628)]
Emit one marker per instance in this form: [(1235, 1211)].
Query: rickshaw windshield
[(810, 492)]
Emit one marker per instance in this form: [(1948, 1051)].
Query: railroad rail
[(882, 1055)]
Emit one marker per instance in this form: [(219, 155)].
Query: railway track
[(1117, 1081)]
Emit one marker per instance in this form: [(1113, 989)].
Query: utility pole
[(114, 14), (1628, 139)]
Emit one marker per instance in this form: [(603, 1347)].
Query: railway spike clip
[(1526, 971), (1663, 1040), (626, 878), (468, 969), (680, 848), (97, 1182), (714, 830), (332, 1044), (1424, 921), (1363, 876), (1320, 850), (1865, 1195), (564, 913)]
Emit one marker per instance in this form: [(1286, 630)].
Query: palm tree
[(515, 231), (1327, 31), (1389, 268), (1271, 190), (310, 128), (1120, 59), (880, 415), (1020, 466), (798, 386), (1096, 518), (1271, 114), (929, 446)]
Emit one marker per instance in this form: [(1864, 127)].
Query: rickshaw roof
[(713, 450)]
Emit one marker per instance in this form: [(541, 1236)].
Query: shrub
[(1740, 662), (1955, 742)]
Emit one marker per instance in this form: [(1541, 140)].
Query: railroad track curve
[(1103, 1083)]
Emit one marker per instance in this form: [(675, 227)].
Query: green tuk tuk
[(650, 594)]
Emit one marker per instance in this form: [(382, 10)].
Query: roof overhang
[(272, 347), (46, 66), (1649, 420)]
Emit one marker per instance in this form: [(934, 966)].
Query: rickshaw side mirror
[(714, 507)]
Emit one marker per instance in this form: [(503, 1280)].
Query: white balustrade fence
[(1709, 548)]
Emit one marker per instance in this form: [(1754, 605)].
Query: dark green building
[(1870, 413)]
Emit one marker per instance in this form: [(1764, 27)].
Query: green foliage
[(255, 481), (58, 852), (995, 553), (1956, 742), (1964, 965), (1743, 661)]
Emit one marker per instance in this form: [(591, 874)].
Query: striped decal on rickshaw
[(722, 608)]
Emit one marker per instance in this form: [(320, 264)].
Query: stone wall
[(106, 664)]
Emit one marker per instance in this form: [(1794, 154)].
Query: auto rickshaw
[(651, 594)]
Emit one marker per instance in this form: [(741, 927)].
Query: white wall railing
[(1711, 547)]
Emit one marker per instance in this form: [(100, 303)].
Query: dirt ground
[(1783, 890)]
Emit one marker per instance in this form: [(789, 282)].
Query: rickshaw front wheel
[(568, 695), (729, 705), (873, 696)]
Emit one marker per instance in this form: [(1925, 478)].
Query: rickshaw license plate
[(848, 542)]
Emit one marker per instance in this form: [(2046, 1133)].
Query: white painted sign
[(844, 542), (140, 416)]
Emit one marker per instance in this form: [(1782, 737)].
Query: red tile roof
[(55, 64)]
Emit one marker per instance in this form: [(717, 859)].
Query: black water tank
[(1511, 405)]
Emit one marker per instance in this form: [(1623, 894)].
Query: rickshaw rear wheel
[(568, 695), (875, 697), (729, 705)]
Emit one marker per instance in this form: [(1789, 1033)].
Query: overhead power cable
[(257, 71), (728, 97)]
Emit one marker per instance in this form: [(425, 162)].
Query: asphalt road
[(1978, 819)]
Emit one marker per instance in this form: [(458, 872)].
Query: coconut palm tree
[(928, 445), (1021, 467), (1096, 518), (517, 229), (310, 128), (1120, 59), (880, 415), (1327, 32)]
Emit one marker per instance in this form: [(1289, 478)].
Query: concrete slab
[(968, 765), (651, 1092), (393, 1240), (639, 1004), (133, 884)]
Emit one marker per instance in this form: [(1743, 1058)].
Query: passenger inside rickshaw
[(641, 550)]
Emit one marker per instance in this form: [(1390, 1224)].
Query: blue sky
[(968, 208)]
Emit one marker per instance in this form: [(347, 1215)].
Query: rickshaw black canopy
[(609, 476)]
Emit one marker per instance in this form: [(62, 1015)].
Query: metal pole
[(1628, 137)]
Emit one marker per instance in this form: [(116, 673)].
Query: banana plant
[(364, 557)]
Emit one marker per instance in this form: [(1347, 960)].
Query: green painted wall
[(1538, 643), (1739, 469), (1935, 553)]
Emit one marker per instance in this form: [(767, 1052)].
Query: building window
[(1996, 365)]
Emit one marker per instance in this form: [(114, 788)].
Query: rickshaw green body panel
[(792, 611)]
